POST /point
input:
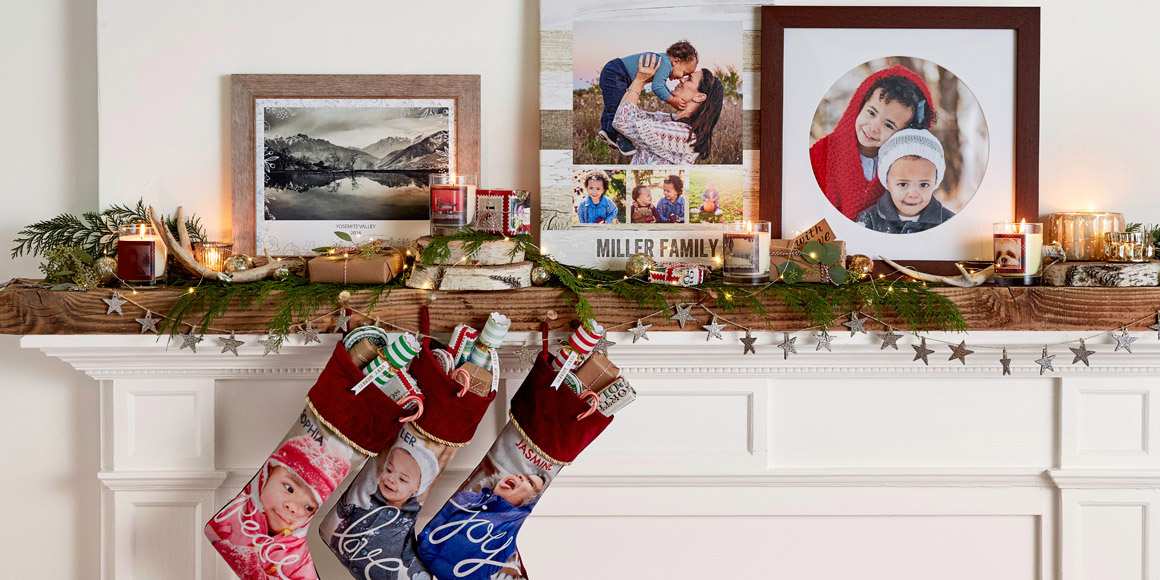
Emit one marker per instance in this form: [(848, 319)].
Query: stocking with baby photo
[(261, 532), (371, 528), (474, 534)]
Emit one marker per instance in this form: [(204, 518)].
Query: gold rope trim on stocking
[(336, 432), (415, 425), (532, 444)]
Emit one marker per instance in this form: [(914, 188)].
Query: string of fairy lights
[(638, 329)]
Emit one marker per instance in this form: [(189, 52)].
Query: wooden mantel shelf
[(25, 310)]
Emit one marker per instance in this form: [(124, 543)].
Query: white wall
[(163, 68), (48, 86)]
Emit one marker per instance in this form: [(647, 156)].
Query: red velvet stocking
[(372, 526), (261, 532), (474, 534)]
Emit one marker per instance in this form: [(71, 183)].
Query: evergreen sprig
[(94, 232), (295, 299)]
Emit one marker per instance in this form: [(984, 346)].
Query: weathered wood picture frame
[(417, 98)]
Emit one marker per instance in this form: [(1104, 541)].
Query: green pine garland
[(93, 232), (822, 304)]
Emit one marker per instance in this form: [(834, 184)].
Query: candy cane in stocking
[(371, 528), (261, 532), (474, 534)]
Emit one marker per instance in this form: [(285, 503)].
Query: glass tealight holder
[(213, 255), (1127, 247), (452, 203), (745, 248), (141, 255)]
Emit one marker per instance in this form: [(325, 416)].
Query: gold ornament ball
[(860, 265), (344, 297), (237, 263), (638, 265), (282, 273), (106, 267), (540, 276)]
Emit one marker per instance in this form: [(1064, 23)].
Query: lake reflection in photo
[(349, 195)]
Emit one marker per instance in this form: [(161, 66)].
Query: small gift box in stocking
[(474, 534), (261, 532), (372, 526)]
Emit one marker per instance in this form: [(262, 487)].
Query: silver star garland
[(309, 334), (114, 302), (713, 330), (748, 341), (640, 331), (189, 340), (855, 324), (342, 321), (1081, 353), (787, 345), (230, 344), (890, 339), (921, 352), (272, 343), (683, 314), (1124, 340), (602, 345), (1046, 362), (148, 324), (1006, 362), (960, 352), (824, 340)]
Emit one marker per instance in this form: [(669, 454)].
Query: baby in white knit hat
[(910, 166)]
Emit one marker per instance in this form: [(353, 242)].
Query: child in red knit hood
[(262, 532), (845, 160)]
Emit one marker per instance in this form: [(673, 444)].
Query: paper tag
[(615, 397), (370, 377), (493, 362), (820, 232), (564, 368)]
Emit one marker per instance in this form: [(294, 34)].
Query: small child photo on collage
[(599, 197), (715, 196), (658, 196)]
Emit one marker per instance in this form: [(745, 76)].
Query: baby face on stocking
[(289, 504), (519, 489), (400, 477)]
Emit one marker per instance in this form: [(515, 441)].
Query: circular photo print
[(899, 145)]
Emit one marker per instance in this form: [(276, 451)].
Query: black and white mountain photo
[(352, 163)]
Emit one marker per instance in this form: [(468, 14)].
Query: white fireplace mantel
[(769, 467)]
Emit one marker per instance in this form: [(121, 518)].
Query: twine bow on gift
[(796, 254)]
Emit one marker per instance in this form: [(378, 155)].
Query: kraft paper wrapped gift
[(356, 269)]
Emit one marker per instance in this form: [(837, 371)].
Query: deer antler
[(966, 280), (182, 251)]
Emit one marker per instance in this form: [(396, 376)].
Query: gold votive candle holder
[(1081, 233), (213, 255), (1127, 247)]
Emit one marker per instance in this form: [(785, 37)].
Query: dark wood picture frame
[(246, 88), (1023, 21)]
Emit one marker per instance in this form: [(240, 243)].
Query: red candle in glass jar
[(452, 198), (140, 254)]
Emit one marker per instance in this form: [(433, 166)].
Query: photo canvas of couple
[(899, 145), (655, 150)]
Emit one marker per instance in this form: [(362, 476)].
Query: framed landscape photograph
[(316, 154), (911, 130)]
